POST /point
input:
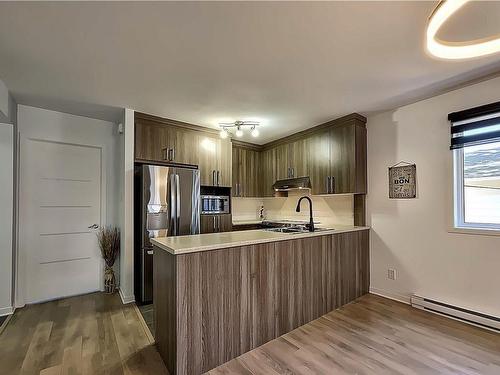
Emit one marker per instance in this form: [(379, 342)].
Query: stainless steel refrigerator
[(167, 203)]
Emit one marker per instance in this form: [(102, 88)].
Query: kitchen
[(218, 185), (249, 188)]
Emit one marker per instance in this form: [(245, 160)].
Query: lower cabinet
[(216, 223), (249, 295)]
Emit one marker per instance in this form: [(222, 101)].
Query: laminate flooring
[(97, 334)]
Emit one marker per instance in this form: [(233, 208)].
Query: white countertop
[(212, 241)]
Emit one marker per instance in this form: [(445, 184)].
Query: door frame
[(21, 255)]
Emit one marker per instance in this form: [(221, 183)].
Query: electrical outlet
[(391, 274)]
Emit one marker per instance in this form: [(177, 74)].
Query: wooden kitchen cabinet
[(268, 174), (159, 140), (214, 160), (348, 159), (216, 223), (246, 172)]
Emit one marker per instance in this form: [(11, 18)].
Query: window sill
[(475, 231)]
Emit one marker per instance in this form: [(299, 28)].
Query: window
[(476, 153)]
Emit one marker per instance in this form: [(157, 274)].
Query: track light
[(239, 126)]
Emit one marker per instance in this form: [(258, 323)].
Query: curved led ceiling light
[(455, 50)]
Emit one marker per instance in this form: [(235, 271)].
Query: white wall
[(6, 216), (413, 236), (126, 176), (62, 127), (4, 102), (328, 210)]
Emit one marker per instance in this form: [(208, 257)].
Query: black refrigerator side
[(151, 219), (137, 232)]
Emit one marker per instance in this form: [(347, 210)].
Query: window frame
[(459, 197)]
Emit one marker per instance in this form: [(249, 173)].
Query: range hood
[(292, 184)]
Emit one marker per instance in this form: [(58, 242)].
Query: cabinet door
[(183, 146), (216, 223), (236, 170), (282, 162), (224, 152), (298, 158), (208, 155), (268, 176), (318, 162), (246, 172), (251, 173), (225, 223), (342, 158), (207, 224), (151, 141), (214, 160)]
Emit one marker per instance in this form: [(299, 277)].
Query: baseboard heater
[(457, 313)]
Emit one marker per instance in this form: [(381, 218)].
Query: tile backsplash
[(328, 210)]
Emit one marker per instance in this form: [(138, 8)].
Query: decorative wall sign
[(402, 181)]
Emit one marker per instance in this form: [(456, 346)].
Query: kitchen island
[(219, 295)]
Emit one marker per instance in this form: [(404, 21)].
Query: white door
[(60, 200)]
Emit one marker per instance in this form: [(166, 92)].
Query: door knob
[(93, 226)]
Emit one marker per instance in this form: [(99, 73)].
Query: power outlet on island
[(391, 274)]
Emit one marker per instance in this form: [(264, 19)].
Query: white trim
[(7, 311), (126, 299), (475, 318), (391, 295)]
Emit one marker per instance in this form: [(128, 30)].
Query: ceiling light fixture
[(224, 133), (455, 50), (240, 126)]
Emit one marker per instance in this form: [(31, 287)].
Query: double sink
[(295, 229)]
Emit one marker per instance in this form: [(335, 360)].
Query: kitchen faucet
[(311, 221)]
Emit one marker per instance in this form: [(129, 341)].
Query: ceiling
[(290, 65)]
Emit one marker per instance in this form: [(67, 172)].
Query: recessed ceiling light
[(455, 50)]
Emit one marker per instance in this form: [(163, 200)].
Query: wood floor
[(374, 335), (96, 334), (90, 334)]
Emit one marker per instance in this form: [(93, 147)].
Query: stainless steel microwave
[(214, 204)]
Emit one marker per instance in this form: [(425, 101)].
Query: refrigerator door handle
[(178, 202), (173, 203)]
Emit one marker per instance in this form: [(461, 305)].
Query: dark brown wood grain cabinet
[(246, 171), (215, 305), (168, 141), (216, 223)]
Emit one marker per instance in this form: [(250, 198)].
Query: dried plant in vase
[(109, 242)]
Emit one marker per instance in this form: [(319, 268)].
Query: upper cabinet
[(246, 171), (160, 140), (333, 155)]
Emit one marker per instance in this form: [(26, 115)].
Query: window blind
[(475, 126)]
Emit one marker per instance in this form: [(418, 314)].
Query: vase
[(109, 280)]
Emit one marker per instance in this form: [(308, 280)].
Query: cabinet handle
[(218, 175), (332, 185), (172, 158), (164, 153), (213, 177), (327, 180), (293, 172), (213, 225), (218, 223)]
